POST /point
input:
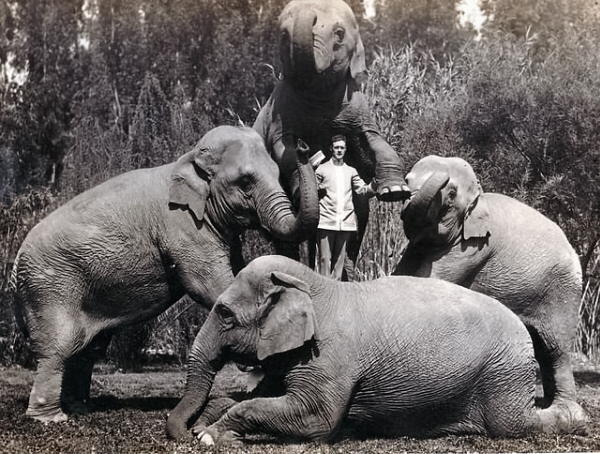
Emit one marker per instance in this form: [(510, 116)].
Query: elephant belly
[(130, 304), (386, 413)]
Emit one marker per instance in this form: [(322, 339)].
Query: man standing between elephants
[(337, 221), (320, 94)]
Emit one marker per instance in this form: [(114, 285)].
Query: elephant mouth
[(320, 85), (414, 226)]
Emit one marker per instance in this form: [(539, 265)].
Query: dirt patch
[(129, 413)]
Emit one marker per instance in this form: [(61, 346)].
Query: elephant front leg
[(213, 411), (286, 416), (391, 186)]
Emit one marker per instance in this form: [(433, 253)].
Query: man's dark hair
[(337, 138)]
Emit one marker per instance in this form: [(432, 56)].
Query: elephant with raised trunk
[(323, 62), (394, 356), (125, 250), (499, 246)]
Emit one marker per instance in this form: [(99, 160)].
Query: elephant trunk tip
[(176, 428)]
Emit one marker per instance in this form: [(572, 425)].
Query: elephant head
[(447, 203), (320, 42), (259, 315), (230, 178)]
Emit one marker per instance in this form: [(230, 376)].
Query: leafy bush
[(521, 105), (528, 125)]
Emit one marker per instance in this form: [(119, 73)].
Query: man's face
[(339, 149)]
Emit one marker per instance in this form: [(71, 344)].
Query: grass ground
[(129, 412)]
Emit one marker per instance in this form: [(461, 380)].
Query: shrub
[(527, 124)]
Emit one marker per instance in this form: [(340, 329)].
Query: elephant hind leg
[(57, 337), (563, 414), (77, 377), (44, 399), (555, 364), (507, 394)]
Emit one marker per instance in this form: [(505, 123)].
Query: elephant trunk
[(276, 211), (204, 362), (417, 213), (302, 58)]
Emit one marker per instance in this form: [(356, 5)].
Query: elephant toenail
[(206, 439)]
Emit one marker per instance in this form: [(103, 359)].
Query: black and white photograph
[(302, 226)]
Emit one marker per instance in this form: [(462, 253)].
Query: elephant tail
[(563, 417), (14, 295)]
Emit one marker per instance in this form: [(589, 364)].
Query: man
[(337, 221)]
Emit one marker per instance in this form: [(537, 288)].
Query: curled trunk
[(276, 211), (417, 213), (204, 362)]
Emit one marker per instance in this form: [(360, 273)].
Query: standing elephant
[(323, 62), (395, 356), (498, 246), (125, 250)]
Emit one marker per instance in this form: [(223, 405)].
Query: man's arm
[(360, 187)]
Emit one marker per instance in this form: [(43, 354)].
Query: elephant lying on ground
[(323, 64), (498, 246), (126, 250), (395, 356)]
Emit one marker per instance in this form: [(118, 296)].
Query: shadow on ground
[(590, 378)]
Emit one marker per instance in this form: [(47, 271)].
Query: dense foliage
[(104, 86)]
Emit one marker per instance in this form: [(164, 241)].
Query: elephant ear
[(189, 185), (476, 223), (358, 65), (288, 318)]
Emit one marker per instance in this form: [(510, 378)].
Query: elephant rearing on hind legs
[(125, 250), (323, 61)]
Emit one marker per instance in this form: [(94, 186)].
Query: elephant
[(400, 355), (323, 65), (498, 246), (127, 249)]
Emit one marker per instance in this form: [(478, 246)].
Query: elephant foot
[(210, 436), (214, 410), (46, 417), (564, 417), (77, 407), (393, 193), (390, 183)]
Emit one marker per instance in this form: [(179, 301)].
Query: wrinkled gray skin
[(323, 61), (395, 356), (498, 246), (126, 250)]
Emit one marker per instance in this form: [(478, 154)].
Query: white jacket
[(336, 210)]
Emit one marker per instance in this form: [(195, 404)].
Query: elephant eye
[(339, 34), (226, 314), (245, 184)]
